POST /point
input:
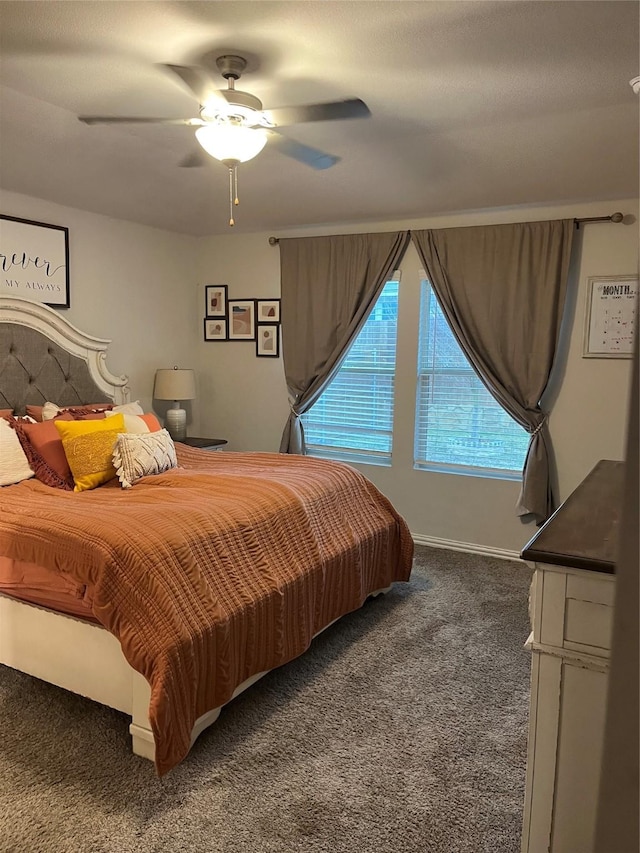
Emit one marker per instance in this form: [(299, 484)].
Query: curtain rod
[(615, 217)]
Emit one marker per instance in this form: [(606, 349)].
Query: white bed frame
[(86, 659), (72, 653)]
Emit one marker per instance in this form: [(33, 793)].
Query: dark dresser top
[(583, 532)]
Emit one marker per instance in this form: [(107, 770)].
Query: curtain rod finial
[(273, 241)]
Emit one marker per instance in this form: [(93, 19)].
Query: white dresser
[(571, 608)]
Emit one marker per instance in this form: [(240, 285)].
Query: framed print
[(268, 340), (242, 319), (215, 300), (268, 311), (215, 330), (611, 316), (35, 261)]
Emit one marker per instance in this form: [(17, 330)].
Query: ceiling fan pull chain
[(235, 177), (231, 171)]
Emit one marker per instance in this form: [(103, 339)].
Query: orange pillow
[(6, 413), (43, 448), (34, 412), (138, 423), (150, 420), (92, 411), (90, 416)]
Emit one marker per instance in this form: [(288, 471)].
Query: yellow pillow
[(88, 446)]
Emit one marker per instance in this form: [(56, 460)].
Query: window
[(459, 425), (353, 419)]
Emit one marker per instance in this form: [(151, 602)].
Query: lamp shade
[(174, 384), (227, 141)]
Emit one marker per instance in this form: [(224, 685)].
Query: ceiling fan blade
[(303, 153), (188, 122), (353, 108), (198, 81)]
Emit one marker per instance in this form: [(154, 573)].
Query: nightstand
[(205, 443)]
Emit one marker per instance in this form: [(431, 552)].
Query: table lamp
[(175, 384)]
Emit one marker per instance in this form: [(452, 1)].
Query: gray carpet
[(402, 730)]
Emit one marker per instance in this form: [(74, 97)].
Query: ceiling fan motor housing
[(242, 99), (231, 66), (249, 108)]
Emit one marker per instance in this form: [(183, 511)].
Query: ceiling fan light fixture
[(228, 141)]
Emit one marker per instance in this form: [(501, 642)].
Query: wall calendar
[(611, 321)]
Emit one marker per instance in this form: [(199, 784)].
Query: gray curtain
[(328, 287), (502, 289)]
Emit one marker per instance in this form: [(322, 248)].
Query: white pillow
[(49, 411), (134, 423), (129, 409), (13, 463), (136, 456)]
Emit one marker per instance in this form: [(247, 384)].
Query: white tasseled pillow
[(139, 455), (13, 463)]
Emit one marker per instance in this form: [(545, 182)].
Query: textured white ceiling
[(474, 104)]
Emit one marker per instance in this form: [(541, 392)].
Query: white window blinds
[(459, 425), (353, 419)]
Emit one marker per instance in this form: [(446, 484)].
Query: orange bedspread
[(215, 571), (54, 590)]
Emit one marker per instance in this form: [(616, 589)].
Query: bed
[(191, 585)]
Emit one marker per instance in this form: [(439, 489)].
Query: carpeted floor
[(402, 730)]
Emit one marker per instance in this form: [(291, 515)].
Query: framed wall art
[(268, 311), (611, 316), (215, 300), (215, 329), (242, 319), (268, 340), (35, 261)]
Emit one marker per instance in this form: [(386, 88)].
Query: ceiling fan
[(232, 125)]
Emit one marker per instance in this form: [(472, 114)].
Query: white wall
[(590, 400), (247, 403), (245, 397), (129, 283)]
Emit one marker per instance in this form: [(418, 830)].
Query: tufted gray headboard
[(44, 357)]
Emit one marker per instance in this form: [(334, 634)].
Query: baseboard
[(469, 547)]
